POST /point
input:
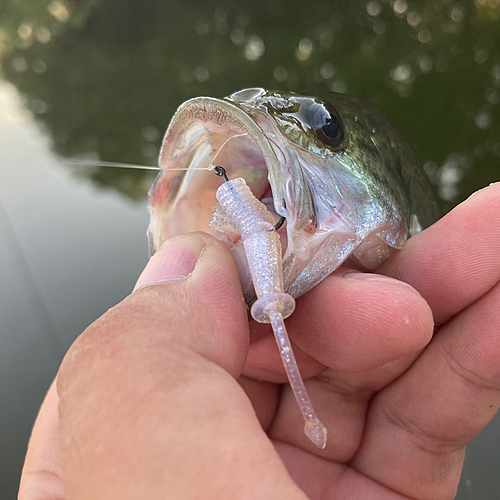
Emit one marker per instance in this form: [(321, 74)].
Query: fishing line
[(211, 165), (101, 163), (112, 164), (73, 162)]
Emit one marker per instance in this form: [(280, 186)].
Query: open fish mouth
[(206, 132), (203, 133), (351, 202)]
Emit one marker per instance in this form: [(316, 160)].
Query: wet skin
[(168, 395)]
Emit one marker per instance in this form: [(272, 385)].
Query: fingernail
[(175, 260), (377, 278)]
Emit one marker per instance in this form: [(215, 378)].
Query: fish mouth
[(332, 209), (311, 192), (205, 132)]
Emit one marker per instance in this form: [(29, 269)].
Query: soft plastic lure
[(262, 245)]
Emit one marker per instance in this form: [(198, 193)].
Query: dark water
[(100, 80)]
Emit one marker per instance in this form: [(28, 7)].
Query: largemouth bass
[(347, 184)]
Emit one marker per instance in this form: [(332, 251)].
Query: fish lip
[(227, 113)]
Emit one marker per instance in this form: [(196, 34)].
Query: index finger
[(456, 261)]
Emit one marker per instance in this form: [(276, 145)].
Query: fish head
[(343, 178)]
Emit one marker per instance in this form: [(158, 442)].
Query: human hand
[(168, 396)]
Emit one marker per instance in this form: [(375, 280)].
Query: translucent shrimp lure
[(263, 251)]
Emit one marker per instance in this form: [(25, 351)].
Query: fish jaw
[(351, 223), (333, 215)]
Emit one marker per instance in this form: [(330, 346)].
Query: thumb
[(149, 404), (198, 298)]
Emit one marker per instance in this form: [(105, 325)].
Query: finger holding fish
[(365, 331), (343, 391), (344, 395), (453, 390), (350, 322), (456, 260), (418, 426)]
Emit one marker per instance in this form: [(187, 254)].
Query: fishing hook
[(221, 172)]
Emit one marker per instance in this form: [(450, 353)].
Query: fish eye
[(326, 124)]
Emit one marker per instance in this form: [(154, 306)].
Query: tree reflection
[(105, 78)]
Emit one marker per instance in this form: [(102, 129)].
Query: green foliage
[(111, 76)]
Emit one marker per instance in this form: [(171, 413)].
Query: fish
[(349, 187)]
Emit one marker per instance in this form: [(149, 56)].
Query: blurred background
[(99, 80)]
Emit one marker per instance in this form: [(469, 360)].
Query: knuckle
[(423, 437), (483, 376)]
